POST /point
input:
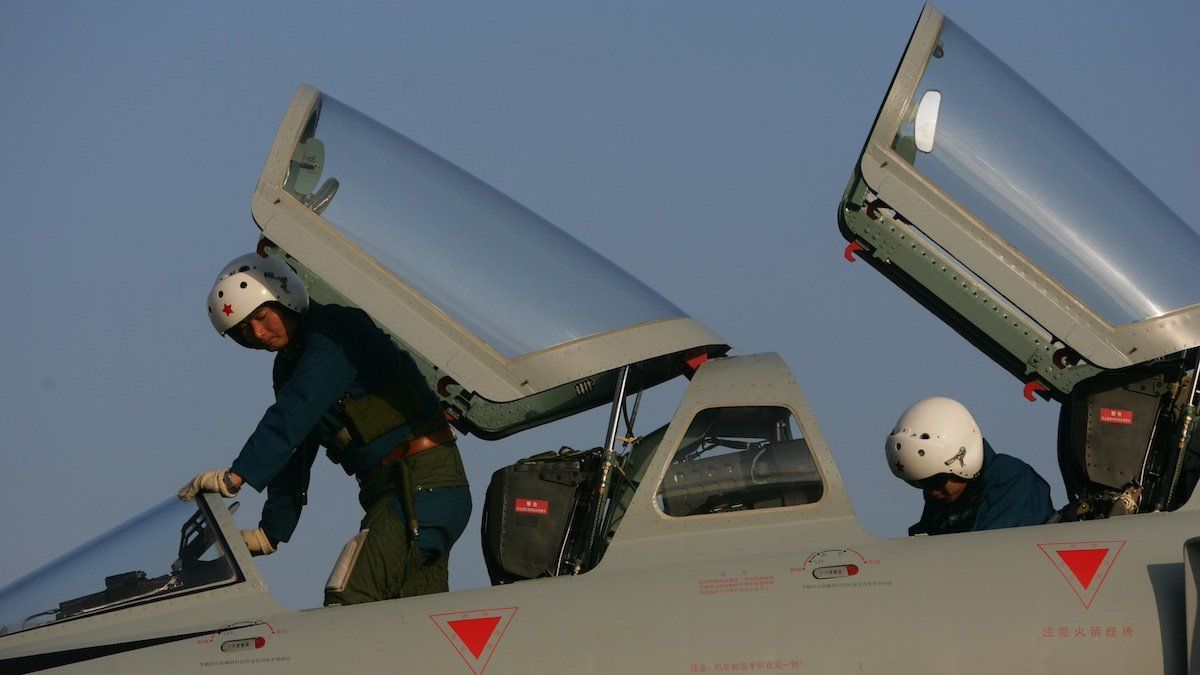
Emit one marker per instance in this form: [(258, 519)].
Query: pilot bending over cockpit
[(937, 447), (340, 382)]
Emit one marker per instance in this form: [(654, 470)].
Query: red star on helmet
[(228, 310), (899, 465)]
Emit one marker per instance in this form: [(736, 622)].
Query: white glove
[(209, 481), (257, 542)]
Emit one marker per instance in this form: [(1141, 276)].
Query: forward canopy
[(514, 322)]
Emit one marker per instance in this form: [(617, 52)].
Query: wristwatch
[(227, 480)]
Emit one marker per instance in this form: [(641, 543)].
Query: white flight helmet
[(936, 435), (246, 283)]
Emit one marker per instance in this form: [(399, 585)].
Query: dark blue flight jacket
[(339, 351), (1006, 493)]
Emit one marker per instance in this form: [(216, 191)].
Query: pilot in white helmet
[(340, 382), (937, 447)]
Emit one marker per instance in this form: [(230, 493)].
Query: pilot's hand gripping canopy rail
[(1020, 232)]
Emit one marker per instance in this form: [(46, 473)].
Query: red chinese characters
[(537, 507), (1116, 416)]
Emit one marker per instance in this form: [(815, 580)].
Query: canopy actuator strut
[(610, 458)]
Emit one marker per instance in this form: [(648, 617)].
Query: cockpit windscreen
[(170, 549)]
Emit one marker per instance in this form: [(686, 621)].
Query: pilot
[(937, 447), (341, 383)]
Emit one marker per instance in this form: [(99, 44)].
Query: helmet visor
[(934, 482)]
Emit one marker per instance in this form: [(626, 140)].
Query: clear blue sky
[(702, 146)]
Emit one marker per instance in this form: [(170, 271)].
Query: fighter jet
[(723, 540)]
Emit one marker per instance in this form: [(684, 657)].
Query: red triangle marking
[(1084, 563), (475, 632)]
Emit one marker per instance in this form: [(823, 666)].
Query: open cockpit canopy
[(982, 199), (514, 322)]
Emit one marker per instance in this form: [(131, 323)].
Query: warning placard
[(1116, 416), (538, 507)]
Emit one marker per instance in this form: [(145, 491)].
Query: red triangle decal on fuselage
[(475, 633), (1084, 563)]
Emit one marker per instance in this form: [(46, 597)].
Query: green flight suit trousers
[(387, 563)]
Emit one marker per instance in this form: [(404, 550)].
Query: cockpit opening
[(739, 459), (1127, 439)]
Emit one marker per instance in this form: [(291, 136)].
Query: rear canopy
[(514, 322), (999, 194)]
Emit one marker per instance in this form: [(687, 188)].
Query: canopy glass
[(988, 204), (171, 549), (506, 274), (1015, 161), (513, 321)]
